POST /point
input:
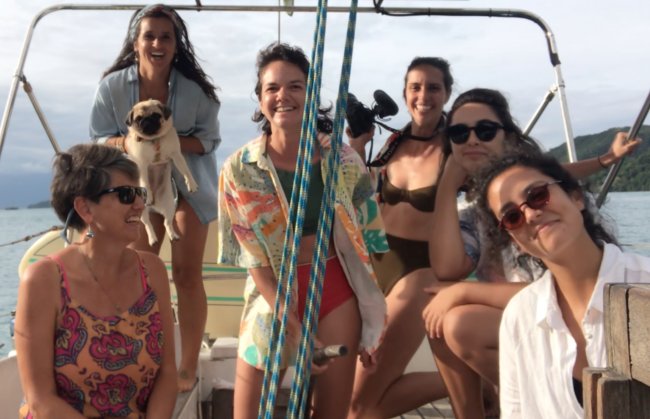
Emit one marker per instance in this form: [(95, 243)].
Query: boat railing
[(622, 389), (558, 87)]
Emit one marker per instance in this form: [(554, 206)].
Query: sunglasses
[(126, 194), (536, 198), (484, 129)]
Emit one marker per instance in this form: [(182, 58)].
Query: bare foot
[(185, 381)]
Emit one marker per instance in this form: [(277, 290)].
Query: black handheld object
[(322, 355), (361, 118), (384, 105)]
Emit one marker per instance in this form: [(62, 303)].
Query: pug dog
[(152, 142)]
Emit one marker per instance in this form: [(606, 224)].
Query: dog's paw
[(151, 234)]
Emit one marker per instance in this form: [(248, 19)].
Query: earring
[(135, 56), (90, 233)]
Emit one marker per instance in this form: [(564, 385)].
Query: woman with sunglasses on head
[(462, 319), (255, 188), (157, 61), (406, 169), (94, 326), (552, 329)]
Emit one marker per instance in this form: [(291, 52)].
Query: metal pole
[(634, 130), (566, 119), (30, 93), (540, 110), (397, 11), (18, 75), (559, 82)]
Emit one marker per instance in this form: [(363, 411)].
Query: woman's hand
[(319, 369), (293, 326), (621, 147), (454, 173), (369, 361), (359, 143), (119, 142), (445, 297)]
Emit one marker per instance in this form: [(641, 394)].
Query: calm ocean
[(625, 209)]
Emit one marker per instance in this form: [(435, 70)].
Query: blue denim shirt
[(193, 113)]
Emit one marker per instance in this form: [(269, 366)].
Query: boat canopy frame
[(558, 88)]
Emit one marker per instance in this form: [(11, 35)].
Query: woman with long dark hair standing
[(157, 61)]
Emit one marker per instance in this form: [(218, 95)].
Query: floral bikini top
[(107, 366)]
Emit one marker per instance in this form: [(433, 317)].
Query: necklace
[(442, 125), (116, 306)]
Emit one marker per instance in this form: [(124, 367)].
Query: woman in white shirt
[(552, 329)]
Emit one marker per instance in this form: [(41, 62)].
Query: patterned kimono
[(253, 218)]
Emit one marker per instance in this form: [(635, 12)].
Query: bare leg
[(333, 389), (411, 391), (373, 390), (187, 263), (248, 390), (467, 352)]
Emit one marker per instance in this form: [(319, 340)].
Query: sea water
[(628, 210)]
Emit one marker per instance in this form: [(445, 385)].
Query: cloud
[(602, 46)]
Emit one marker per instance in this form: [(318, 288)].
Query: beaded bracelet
[(601, 162)]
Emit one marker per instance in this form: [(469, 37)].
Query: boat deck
[(220, 406), (437, 409)]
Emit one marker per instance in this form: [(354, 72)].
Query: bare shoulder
[(156, 269), (39, 286), (42, 273)]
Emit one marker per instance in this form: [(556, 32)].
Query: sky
[(603, 48)]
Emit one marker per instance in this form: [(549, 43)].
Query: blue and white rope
[(309, 133)]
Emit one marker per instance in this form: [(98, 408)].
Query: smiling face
[(474, 154), (282, 95), (155, 45), (112, 217), (425, 95), (547, 232)]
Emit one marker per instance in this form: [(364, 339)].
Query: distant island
[(42, 204), (633, 175)]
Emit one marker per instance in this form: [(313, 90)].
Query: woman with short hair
[(94, 327)]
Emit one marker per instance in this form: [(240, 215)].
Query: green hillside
[(634, 174)]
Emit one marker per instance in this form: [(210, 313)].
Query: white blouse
[(536, 350)]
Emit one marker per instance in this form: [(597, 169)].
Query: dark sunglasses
[(484, 129), (126, 194), (536, 198)]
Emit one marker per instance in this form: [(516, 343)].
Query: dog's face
[(149, 118)]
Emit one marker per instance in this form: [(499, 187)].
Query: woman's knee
[(468, 331), (462, 332)]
